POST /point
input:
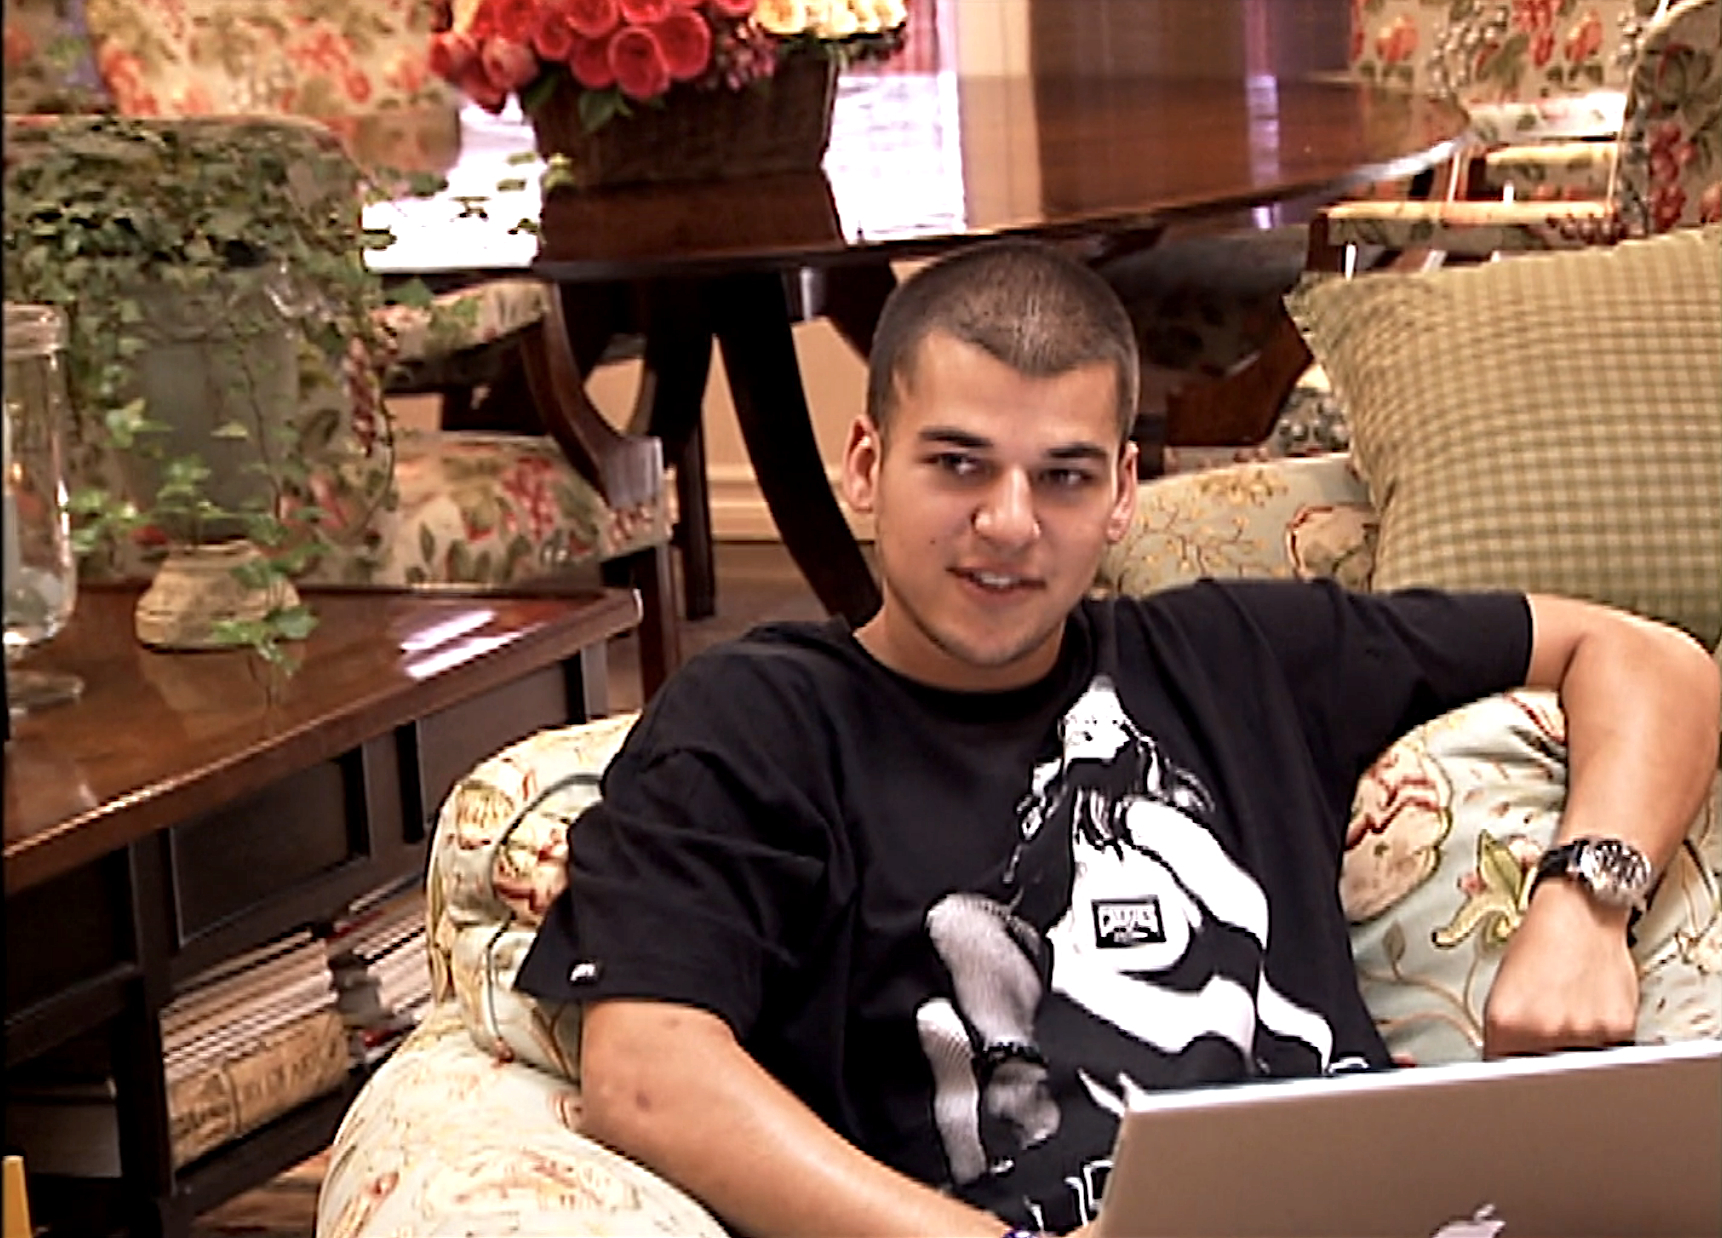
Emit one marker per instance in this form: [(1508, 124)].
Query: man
[(877, 930)]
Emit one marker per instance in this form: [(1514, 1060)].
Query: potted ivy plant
[(219, 355)]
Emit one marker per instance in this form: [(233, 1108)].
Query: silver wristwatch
[(1616, 873)]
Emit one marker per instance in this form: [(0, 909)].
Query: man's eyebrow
[(954, 437), (951, 436), (1080, 451)]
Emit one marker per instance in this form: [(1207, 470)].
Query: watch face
[(1617, 872)]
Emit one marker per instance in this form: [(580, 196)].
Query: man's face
[(993, 496)]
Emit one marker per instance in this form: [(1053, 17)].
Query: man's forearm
[(670, 1087), (1642, 706), (1642, 729)]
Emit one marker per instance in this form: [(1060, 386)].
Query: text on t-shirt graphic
[(1121, 922)]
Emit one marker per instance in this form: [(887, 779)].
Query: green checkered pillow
[(1551, 423)]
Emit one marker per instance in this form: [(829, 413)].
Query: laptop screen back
[(1617, 1142)]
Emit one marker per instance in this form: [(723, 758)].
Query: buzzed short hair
[(1024, 303)]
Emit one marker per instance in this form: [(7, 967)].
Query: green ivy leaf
[(293, 622)]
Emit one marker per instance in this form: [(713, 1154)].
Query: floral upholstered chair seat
[(474, 1125), (487, 510)]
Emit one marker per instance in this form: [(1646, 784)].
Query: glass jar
[(39, 573)]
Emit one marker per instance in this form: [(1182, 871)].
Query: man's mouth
[(997, 582)]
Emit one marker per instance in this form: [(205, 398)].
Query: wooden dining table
[(919, 164)]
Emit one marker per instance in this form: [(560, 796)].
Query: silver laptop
[(1620, 1142)]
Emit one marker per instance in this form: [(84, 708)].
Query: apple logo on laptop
[(1483, 1223)]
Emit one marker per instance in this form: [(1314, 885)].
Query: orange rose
[(452, 55), (593, 18), (515, 19), (590, 64), (638, 63), (686, 42), (644, 12), (508, 65), (553, 37)]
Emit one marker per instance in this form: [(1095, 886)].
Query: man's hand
[(1567, 981)]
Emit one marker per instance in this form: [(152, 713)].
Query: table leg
[(668, 405), (751, 317), (851, 299)]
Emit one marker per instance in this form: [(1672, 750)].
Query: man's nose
[(1006, 514)]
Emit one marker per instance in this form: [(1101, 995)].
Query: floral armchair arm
[(1298, 517), (1573, 171)]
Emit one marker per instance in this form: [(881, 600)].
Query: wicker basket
[(781, 125)]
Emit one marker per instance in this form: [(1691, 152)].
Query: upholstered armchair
[(473, 1126), (1664, 171)]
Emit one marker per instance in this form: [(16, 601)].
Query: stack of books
[(243, 1043), (377, 956), (248, 1040)]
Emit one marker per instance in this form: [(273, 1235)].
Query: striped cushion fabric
[(1551, 423)]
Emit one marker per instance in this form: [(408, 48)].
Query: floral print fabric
[(1445, 832), (482, 510), (446, 1139), (304, 57)]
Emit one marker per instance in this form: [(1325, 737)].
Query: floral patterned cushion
[(446, 1139), (230, 57), (1445, 830), (482, 510), (497, 863)]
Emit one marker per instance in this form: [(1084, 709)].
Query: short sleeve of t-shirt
[(1363, 669), (703, 863)]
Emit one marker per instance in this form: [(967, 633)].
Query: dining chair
[(1205, 306)]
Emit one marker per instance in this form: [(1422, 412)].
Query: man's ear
[(1124, 506), (861, 458)]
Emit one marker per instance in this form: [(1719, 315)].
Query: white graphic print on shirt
[(1136, 946)]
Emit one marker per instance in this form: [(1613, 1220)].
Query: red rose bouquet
[(619, 53)]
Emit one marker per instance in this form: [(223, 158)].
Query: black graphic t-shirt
[(966, 927)]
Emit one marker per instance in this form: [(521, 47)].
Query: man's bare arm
[(1642, 703), (669, 1086)]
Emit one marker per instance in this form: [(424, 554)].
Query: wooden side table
[(189, 808)]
